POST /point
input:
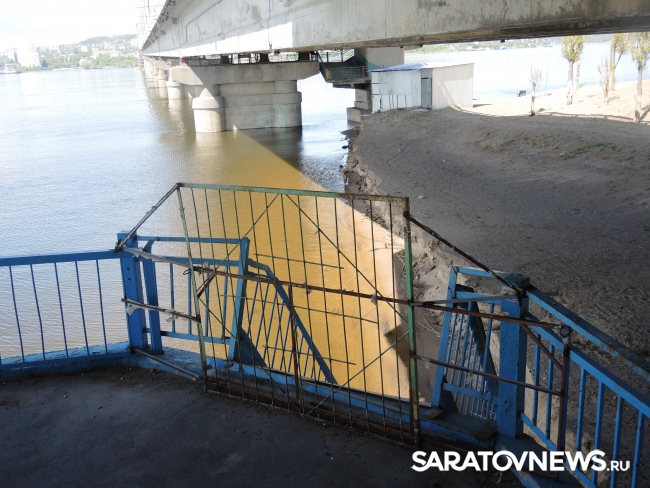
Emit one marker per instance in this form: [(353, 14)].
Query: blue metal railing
[(61, 312), (561, 392), (60, 306), (68, 308)]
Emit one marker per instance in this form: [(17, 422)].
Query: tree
[(640, 51), (619, 45), (572, 48), (535, 79), (605, 71)]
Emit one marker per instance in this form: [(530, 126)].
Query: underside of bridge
[(183, 28), (202, 38)]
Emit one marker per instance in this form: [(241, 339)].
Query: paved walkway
[(123, 427)]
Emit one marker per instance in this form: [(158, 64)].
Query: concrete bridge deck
[(183, 28), (136, 427)]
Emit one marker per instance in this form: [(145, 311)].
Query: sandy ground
[(562, 197), (123, 427)]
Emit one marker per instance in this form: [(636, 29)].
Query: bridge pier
[(150, 72), (162, 82), (209, 109), (362, 105), (176, 91), (383, 56), (246, 96)]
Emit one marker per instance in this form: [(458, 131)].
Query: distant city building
[(28, 57), (12, 55), (83, 49)]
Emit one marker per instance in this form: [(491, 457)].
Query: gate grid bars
[(301, 300)]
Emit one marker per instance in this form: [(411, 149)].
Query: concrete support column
[(150, 75), (162, 83), (381, 56), (384, 56), (176, 91), (209, 109), (247, 96), (362, 105)]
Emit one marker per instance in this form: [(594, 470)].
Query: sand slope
[(562, 197)]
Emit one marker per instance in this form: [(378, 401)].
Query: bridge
[(192, 33)]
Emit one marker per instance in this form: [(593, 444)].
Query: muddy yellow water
[(319, 240)]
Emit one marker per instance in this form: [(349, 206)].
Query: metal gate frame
[(258, 380)]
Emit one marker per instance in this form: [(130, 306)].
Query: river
[(84, 154), (503, 72), (80, 145)]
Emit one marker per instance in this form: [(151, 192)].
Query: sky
[(50, 22)]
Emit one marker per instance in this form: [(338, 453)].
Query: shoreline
[(559, 197)]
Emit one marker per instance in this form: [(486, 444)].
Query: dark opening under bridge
[(305, 301)]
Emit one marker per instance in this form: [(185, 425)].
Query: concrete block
[(363, 105), (384, 56), (363, 99), (354, 114), (205, 103), (243, 89), (287, 98), (286, 86), (212, 120), (263, 116), (244, 73), (175, 91)]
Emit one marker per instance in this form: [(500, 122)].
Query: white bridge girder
[(184, 28)]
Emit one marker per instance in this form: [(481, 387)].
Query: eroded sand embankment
[(561, 198)]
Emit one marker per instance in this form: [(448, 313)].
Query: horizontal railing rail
[(566, 399), (55, 306)]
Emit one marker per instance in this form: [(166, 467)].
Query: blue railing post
[(151, 289), (512, 365), (440, 397), (132, 284), (237, 337)]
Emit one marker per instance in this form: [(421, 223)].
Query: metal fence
[(60, 306), (304, 301), (289, 304)]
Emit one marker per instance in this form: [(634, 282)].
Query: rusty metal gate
[(298, 299)]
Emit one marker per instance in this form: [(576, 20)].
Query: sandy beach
[(561, 197)]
